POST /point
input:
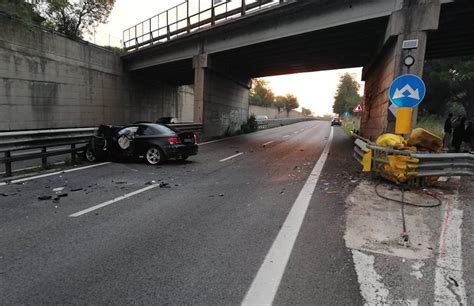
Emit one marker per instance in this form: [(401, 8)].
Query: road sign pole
[(403, 123)]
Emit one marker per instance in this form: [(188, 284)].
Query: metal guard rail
[(150, 31), (76, 139), (271, 123), (428, 165)]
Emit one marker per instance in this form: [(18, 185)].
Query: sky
[(314, 90)]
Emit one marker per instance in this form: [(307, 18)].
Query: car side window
[(146, 131), (128, 131)]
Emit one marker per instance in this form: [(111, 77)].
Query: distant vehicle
[(261, 118), (336, 121), (150, 141)]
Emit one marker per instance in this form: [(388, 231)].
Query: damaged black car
[(153, 142)]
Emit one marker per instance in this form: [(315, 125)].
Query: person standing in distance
[(448, 132)]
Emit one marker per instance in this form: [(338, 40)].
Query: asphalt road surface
[(204, 237)]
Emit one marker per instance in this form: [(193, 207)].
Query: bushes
[(250, 126)]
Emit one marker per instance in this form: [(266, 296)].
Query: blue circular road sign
[(407, 90)]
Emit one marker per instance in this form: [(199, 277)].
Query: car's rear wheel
[(90, 155), (154, 156)]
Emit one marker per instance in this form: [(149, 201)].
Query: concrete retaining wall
[(273, 112), (226, 104), (50, 81)]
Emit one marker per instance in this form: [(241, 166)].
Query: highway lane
[(200, 241)]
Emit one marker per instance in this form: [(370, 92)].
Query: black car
[(153, 142), (336, 121)]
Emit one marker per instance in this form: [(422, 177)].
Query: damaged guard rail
[(426, 165), (41, 144)]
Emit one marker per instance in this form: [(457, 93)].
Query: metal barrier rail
[(271, 123), (186, 17), (61, 141), (427, 165)]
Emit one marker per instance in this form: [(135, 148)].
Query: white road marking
[(126, 196), (267, 143), (2, 184), (231, 157), (265, 285), (372, 288), (57, 173), (449, 284), (214, 141), (286, 136), (295, 132)]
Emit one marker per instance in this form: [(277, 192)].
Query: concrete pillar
[(412, 22), (220, 98), (199, 65)]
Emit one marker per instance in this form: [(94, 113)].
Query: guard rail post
[(44, 158), (8, 164), (73, 153)]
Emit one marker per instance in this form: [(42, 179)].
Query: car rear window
[(159, 129)]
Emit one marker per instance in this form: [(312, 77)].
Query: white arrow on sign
[(414, 94)]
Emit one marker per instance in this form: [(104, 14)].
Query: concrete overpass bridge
[(220, 48)]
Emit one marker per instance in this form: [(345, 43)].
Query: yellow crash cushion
[(391, 140), (424, 140)]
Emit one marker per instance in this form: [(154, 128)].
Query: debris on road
[(3, 194), (44, 198), (164, 185), (119, 183), (62, 195), (221, 195), (77, 189), (150, 183), (59, 189)]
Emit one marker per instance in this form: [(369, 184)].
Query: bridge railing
[(187, 17)]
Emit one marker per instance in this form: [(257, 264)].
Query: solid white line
[(86, 167), (230, 157), (265, 285), (267, 143), (56, 173), (214, 141), (449, 284), (126, 196)]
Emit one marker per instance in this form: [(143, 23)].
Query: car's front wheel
[(154, 156)]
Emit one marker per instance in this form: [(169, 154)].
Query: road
[(206, 236)]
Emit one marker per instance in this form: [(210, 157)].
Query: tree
[(261, 93), (347, 95), (74, 18), (306, 112), (291, 102), (449, 82), (20, 9), (287, 102)]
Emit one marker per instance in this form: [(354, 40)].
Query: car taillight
[(174, 140)]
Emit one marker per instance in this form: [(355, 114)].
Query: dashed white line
[(286, 136), (2, 184), (295, 132), (265, 285), (231, 157), (267, 143), (57, 173), (99, 206)]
